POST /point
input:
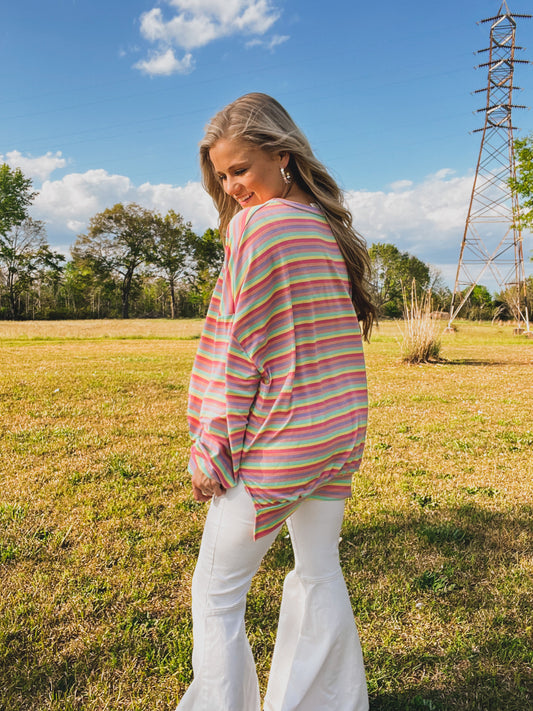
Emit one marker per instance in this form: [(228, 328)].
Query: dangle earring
[(287, 177)]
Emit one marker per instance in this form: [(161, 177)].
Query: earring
[(287, 177)]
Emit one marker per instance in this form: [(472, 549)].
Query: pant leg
[(317, 663), (225, 678)]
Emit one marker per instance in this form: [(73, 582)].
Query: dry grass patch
[(99, 532), (421, 334), (101, 329)]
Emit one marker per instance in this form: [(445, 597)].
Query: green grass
[(99, 531)]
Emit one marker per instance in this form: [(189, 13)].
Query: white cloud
[(75, 225), (186, 32), (68, 204), (196, 23), (165, 63), (268, 44), (38, 167), (190, 201), (75, 198), (426, 219), (401, 185)]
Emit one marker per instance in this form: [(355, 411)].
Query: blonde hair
[(261, 121)]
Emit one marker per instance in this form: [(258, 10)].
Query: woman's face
[(250, 175)]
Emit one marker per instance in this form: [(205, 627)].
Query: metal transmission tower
[(491, 241)]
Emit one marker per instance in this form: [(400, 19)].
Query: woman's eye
[(240, 171)]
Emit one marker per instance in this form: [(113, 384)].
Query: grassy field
[(99, 532)]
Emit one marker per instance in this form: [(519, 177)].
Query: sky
[(105, 101)]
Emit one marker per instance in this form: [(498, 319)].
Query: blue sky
[(105, 102)]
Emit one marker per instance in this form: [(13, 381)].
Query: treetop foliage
[(522, 185), (125, 238), (391, 272), (25, 256), (15, 197)]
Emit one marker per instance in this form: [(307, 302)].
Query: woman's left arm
[(224, 382)]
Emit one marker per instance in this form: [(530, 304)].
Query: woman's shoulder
[(274, 209), (261, 225), (281, 207)]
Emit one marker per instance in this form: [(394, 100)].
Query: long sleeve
[(223, 387)]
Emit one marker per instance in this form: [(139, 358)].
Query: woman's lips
[(244, 199)]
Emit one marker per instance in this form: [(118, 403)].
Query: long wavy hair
[(261, 121)]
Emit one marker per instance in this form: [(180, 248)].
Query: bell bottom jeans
[(317, 663)]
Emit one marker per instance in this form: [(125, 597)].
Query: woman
[(277, 413)]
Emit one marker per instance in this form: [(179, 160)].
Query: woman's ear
[(284, 158)]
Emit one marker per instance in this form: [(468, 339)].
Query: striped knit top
[(278, 394)]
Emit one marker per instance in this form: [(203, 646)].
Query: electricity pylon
[(492, 240)]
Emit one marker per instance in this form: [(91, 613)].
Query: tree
[(173, 251), (209, 256), (391, 270), (479, 305), (118, 241), (507, 302), (209, 251), (441, 296), (15, 197), (522, 185), (23, 252)]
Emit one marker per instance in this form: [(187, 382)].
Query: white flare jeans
[(317, 663)]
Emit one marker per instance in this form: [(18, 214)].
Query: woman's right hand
[(204, 488)]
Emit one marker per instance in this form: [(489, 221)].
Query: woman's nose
[(231, 183)]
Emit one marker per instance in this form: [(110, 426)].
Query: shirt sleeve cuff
[(207, 465)]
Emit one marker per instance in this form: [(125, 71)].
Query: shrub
[(421, 333)]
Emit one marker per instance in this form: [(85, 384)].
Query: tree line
[(135, 262), (131, 262)]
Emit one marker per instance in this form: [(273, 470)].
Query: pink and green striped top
[(278, 394)]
